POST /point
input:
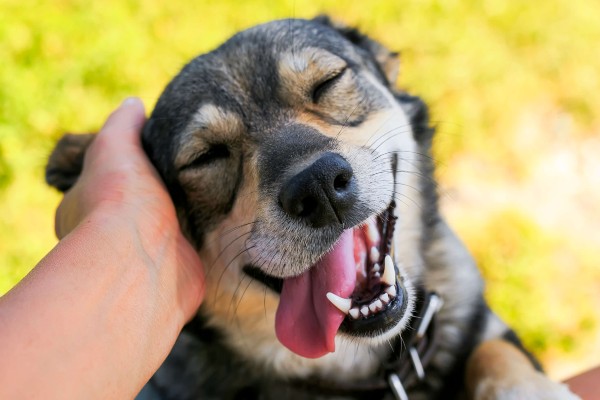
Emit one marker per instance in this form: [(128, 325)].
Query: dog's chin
[(380, 303)]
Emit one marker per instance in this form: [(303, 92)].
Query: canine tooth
[(378, 304), (354, 313), (376, 267), (391, 290), (389, 272), (374, 254), (377, 275), (340, 303), (364, 310), (385, 298)]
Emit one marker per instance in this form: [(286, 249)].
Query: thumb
[(126, 121), (121, 131)]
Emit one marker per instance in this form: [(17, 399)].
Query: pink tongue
[(306, 322)]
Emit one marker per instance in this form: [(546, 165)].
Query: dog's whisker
[(234, 297), (345, 124), (223, 250), (231, 230), (419, 174), (227, 266), (401, 196), (239, 302), (374, 150), (400, 152), (366, 143), (393, 132)]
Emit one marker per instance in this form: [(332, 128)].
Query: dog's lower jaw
[(353, 358), (388, 337), (254, 339)]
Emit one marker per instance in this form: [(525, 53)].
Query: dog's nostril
[(341, 182), (307, 207)]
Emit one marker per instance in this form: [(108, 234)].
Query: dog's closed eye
[(212, 154), (326, 83)]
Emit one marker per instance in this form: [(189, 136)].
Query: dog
[(304, 178)]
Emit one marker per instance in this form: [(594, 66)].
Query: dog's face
[(298, 174)]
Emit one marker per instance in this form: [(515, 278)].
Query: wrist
[(98, 295)]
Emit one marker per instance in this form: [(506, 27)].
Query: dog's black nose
[(322, 194)]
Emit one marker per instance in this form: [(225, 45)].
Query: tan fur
[(209, 124), (302, 68), (498, 370)]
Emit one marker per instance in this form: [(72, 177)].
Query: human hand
[(106, 305), (119, 186)]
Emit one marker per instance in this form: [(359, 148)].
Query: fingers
[(126, 121), (120, 137), (114, 155)]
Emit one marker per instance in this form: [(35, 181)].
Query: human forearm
[(87, 323)]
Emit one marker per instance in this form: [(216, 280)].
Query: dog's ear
[(66, 160), (387, 61)]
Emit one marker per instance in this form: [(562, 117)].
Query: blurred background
[(514, 89)]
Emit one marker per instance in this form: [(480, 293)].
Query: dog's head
[(302, 177)]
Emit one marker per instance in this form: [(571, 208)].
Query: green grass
[(480, 64)]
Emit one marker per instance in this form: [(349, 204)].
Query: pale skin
[(99, 314)]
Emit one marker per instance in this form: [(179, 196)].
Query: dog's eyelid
[(328, 81), (214, 152)]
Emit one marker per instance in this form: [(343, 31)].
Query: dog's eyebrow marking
[(209, 125), (214, 118), (301, 69)]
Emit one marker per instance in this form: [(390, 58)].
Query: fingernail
[(129, 101)]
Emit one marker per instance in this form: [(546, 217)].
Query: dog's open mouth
[(354, 288), (378, 300)]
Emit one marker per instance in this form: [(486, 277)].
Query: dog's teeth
[(340, 303), (377, 275), (374, 254), (376, 267), (354, 313), (389, 272), (376, 306), (385, 298), (364, 311), (372, 232), (379, 304), (391, 291)]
